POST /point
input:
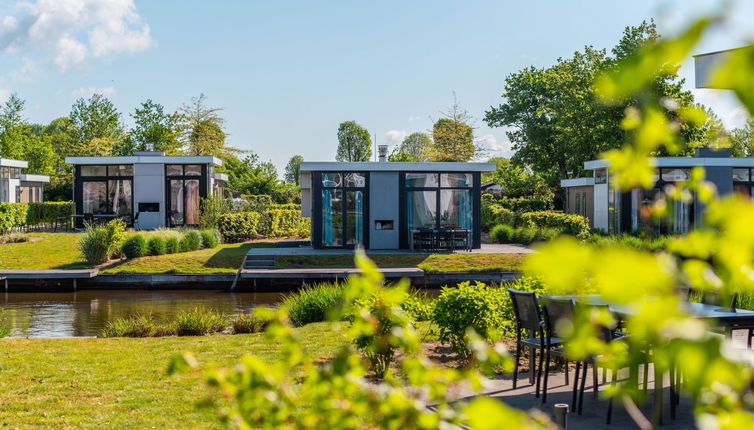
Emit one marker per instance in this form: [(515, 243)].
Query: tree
[(556, 119), (293, 170), (453, 136), (517, 181), (414, 146), (354, 142), (11, 120), (401, 157), (742, 140), (250, 176), (154, 129), (97, 125), (499, 162), (200, 128), (18, 140)]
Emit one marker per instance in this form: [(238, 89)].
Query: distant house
[(18, 187), (382, 205), (706, 64), (149, 187)]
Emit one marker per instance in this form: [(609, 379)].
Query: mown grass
[(429, 263), (43, 251), (121, 382)]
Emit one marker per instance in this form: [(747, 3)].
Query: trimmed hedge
[(572, 224), (17, 215), (241, 226), (494, 214), (523, 204), (238, 227)]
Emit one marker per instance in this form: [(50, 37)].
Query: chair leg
[(575, 385), (566, 371), (672, 393), (539, 370), (609, 417), (518, 357), (583, 385), (646, 375), (547, 374), (595, 379)]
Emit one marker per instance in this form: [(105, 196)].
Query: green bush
[(100, 243), (642, 243), (468, 306), (198, 322), (254, 321), (239, 227), (502, 233), (17, 215), (575, 225), (418, 306), (525, 283), (172, 245), (525, 204), (310, 304), (524, 235), (135, 246), (12, 216), (283, 223), (191, 241), (211, 208), (157, 245), (493, 214), (132, 326), (382, 316), (210, 238)]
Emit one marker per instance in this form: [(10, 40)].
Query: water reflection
[(84, 313)]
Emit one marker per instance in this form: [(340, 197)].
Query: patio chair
[(528, 317), (460, 239), (426, 239), (715, 298), (556, 312)]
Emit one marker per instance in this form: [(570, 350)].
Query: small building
[(150, 188), (380, 205), (615, 212), (18, 187)]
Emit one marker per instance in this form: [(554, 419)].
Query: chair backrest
[(557, 312), (605, 333), (715, 298), (526, 310)]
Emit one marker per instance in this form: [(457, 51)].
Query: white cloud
[(70, 32), (395, 137), (90, 91), (413, 118), (490, 143), (4, 94), (724, 104)]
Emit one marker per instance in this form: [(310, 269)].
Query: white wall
[(600, 207), (149, 187)]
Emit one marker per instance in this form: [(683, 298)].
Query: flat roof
[(388, 166), (34, 178), (147, 159), (8, 162), (684, 162), (576, 182)]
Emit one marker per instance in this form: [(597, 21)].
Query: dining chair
[(557, 314), (528, 318)]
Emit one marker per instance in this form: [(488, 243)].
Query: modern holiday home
[(391, 205), (148, 190), (18, 187)]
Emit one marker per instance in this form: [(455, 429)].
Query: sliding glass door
[(184, 185), (343, 197)]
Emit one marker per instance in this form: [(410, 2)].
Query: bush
[(283, 223), (575, 225), (132, 326), (524, 235), (418, 306), (198, 322), (381, 314), (641, 243), (468, 306), (254, 321), (525, 204), (157, 245), (238, 227), (172, 245), (135, 246), (525, 283), (99, 243), (211, 208), (191, 241), (502, 233), (310, 304), (256, 203), (493, 214), (17, 215), (210, 238)]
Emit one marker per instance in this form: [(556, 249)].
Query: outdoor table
[(97, 216), (728, 319)]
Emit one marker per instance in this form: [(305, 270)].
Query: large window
[(439, 200), (682, 213), (107, 189), (184, 191), (343, 209), (742, 182)]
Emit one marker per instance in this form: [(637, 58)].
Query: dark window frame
[(79, 190), (317, 188), (203, 186)]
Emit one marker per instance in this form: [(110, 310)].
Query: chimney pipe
[(382, 151)]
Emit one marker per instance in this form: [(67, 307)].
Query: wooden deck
[(47, 274)]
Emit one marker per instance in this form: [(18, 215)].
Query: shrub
[(131, 326), (502, 233), (238, 227), (157, 245), (283, 223), (468, 306), (16, 237), (525, 235), (210, 238), (99, 243), (198, 322), (172, 245), (493, 214), (191, 241), (211, 208), (310, 304), (525, 204), (17, 215), (135, 246), (257, 203), (254, 321), (641, 243), (418, 306), (382, 315), (525, 283), (575, 225)]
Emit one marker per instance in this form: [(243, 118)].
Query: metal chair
[(557, 312)]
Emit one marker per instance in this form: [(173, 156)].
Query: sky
[(287, 73)]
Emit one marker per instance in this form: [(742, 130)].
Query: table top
[(97, 215)]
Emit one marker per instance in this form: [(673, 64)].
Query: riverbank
[(122, 382)]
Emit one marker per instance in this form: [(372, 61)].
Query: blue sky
[(287, 73)]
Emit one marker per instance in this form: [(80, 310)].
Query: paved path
[(487, 248)]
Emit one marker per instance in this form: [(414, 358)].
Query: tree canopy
[(414, 147), (154, 129), (354, 142), (97, 126), (201, 131), (453, 136), (293, 170)]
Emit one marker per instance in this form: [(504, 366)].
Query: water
[(85, 313)]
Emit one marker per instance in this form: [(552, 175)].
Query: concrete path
[(487, 248)]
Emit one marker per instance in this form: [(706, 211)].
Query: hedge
[(494, 214), (241, 226), (18, 215), (572, 224), (523, 204), (257, 202), (238, 227)]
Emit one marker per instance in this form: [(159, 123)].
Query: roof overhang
[(576, 182), (34, 178), (146, 159), (683, 162), (221, 177), (387, 166), (706, 64), (8, 162)]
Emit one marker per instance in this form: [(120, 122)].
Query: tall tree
[(354, 142), (18, 140), (293, 170), (414, 146), (154, 129), (453, 136), (742, 140), (97, 126), (201, 129), (11, 122), (557, 122)]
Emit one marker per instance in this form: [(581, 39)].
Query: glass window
[(192, 202), (93, 171), (674, 175), (455, 209), (355, 180), (120, 170), (120, 197), (4, 172), (332, 218), (740, 175), (600, 176), (15, 172), (742, 189), (192, 170), (422, 209), (176, 202), (174, 170), (354, 217), (456, 180), (95, 197), (421, 180), (331, 180)]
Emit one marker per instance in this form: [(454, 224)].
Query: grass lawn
[(429, 263), (45, 251), (121, 382)]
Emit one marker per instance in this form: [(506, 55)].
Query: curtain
[(327, 228)]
